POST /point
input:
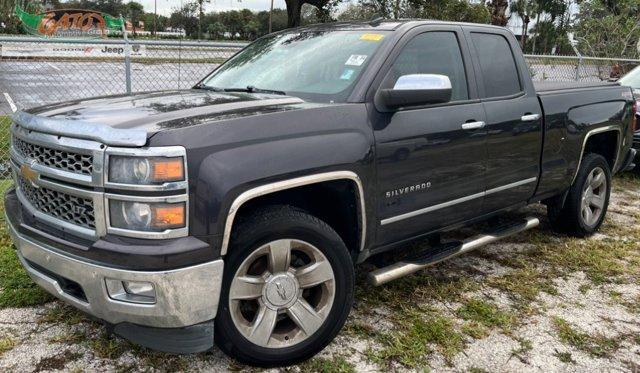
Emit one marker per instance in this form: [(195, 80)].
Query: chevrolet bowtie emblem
[(29, 174)]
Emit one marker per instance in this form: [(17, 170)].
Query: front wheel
[(588, 198), (287, 291)]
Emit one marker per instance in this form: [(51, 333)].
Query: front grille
[(54, 158), (68, 208)]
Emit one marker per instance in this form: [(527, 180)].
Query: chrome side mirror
[(415, 90)]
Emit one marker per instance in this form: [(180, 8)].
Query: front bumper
[(184, 297)]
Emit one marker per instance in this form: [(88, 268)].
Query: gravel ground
[(535, 302)]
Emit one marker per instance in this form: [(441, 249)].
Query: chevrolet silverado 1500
[(235, 211)]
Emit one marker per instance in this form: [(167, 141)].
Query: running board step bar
[(445, 251)]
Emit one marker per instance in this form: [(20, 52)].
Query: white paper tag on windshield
[(356, 60)]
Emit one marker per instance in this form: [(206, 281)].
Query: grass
[(61, 313), (524, 285), (17, 289), (564, 357), (485, 313), (106, 346), (6, 344), (418, 332), (56, 362), (595, 345), (324, 365), (525, 347)]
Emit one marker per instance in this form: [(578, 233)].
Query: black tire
[(568, 218), (262, 227)]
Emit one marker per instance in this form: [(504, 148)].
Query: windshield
[(632, 79), (316, 65)]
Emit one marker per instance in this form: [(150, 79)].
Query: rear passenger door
[(514, 118)]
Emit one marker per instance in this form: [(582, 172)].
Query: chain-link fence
[(571, 68), (36, 72)]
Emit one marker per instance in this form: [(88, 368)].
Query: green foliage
[(16, 288), (323, 365), (609, 28), (415, 333), (596, 345), (485, 313), (450, 10)]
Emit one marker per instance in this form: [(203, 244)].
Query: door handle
[(473, 125), (530, 117)]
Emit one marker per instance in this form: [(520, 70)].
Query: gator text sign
[(69, 23)]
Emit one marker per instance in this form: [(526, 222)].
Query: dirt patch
[(57, 362)]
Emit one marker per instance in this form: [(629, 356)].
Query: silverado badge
[(408, 189)]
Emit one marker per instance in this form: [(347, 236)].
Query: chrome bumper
[(184, 296)]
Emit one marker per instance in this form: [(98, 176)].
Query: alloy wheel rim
[(282, 293), (593, 197)]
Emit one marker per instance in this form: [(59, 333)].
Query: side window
[(499, 72), (433, 53)]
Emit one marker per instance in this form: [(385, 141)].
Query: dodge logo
[(29, 174)]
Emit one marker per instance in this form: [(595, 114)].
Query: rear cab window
[(499, 72)]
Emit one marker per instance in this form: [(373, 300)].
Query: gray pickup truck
[(235, 211)]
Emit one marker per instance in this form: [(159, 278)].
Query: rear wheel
[(288, 288), (586, 204)]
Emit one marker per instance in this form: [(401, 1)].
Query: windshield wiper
[(248, 89), (252, 89), (208, 88)]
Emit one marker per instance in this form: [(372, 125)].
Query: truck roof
[(391, 24)]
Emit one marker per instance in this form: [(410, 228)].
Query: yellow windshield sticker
[(371, 37)]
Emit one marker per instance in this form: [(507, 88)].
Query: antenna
[(376, 20)]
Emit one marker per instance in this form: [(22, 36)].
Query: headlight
[(149, 217), (145, 170)]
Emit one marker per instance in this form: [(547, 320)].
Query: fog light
[(144, 289), (131, 291)]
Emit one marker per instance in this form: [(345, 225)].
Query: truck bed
[(547, 86)]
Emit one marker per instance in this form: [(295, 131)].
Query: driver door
[(430, 169)]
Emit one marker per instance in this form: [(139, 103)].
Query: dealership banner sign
[(69, 50), (69, 23)]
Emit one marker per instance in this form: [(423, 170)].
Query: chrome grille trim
[(83, 147), (96, 198), (61, 206), (90, 186), (59, 159)]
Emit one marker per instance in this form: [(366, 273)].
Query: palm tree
[(524, 9)]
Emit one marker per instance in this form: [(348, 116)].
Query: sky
[(165, 6)]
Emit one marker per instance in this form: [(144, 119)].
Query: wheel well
[(605, 144), (335, 202)]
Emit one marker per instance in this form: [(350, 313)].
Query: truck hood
[(158, 111)]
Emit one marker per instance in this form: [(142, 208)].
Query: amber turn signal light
[(168, 169), (168, 215)]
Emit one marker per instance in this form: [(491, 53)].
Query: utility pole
[(270, 16), (155, 18)]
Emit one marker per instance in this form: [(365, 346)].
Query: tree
[(524, 9), (608, 28), (498, 12), (356, 12), (185, 18), (201, 15), (215, 30), (450, 10), (134, 12), (294, 9)]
